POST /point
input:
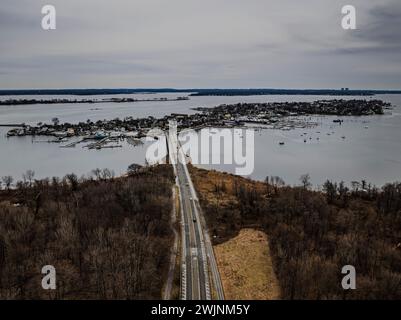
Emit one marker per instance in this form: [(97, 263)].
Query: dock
[(73, 144)]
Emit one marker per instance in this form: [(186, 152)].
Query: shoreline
[(23, 102), (277, 114)]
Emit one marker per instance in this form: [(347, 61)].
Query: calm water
[(372, 153)]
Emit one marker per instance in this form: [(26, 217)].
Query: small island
[(17, 102), (282, 115)]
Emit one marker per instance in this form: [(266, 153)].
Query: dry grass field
[(246, 267)]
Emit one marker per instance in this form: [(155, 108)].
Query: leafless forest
[(312, 235), (108, 238)]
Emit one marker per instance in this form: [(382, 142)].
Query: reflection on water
[(370, 149)]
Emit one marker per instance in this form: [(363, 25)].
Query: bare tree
[(277, 183), (72, 180), (28, 176), (305, 180), (133, 168), (107, 174), (97, 173), (355, 186), (7, 180)]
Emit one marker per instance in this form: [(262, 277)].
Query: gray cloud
[(379, 32), (383, 25), (191, 43)]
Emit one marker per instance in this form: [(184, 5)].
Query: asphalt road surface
[(197, 251)]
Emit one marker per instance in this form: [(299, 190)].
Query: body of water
[(370, 149)]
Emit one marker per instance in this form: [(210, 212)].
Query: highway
[(197, 251)]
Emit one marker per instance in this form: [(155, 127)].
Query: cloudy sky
[(200, 44)]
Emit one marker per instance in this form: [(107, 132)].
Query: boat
[(100, 135), (12, 133), (60, 134), (281, 143)]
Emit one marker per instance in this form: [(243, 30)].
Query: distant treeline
[(317, 92), (85, 92), (199, 92), (312, 235), (108, 238)]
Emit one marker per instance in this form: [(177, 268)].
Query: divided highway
[(197, 250)]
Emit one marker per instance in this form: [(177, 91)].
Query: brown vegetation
[(107, 238), (246, 268), (312, 235)]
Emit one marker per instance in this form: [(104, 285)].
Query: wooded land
[(312, 235), (108, 238)]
